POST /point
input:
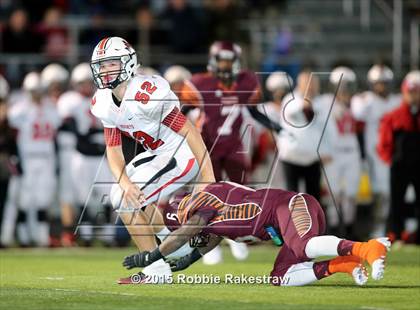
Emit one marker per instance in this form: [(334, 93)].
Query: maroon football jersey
[(231, 210), (222, 107)]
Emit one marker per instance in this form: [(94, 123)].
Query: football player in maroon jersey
[(229, 210), (225, 88)]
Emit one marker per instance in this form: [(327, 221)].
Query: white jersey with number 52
[(148, 113)]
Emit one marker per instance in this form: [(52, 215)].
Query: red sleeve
[(385, 145), (112, 136), (175, 120)]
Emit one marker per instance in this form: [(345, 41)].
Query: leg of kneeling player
[(303, 230), (290, 270), (299, 223)]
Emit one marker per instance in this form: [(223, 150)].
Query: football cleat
[(352, 265), (360, 275), (374, 252), (378, 265), (137, 278)]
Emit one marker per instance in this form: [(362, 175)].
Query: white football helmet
[(4, 88), (380, 73), (54, 73), (345, 78), (411, 81), (32, 82), (147, 71), (113, 49), (81, 73), (279, 80), (176, 74)]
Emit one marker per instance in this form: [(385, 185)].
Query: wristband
[(154, 256)]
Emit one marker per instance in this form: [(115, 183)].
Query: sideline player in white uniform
[(189, 97), (278, 84), (370, 107), (343, 172), (54, 78), (85, 161), (36, 121), (145, 109)]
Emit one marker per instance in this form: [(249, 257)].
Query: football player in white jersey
[(36, 121), (54, 78), (85, 160), (343, 172), (189, 97), (370, 107), (144, 108), (278, 84)]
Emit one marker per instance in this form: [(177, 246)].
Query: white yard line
[(92, 292)]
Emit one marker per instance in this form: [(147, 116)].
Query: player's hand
[(133, 196), (180, 263), (140, 259)]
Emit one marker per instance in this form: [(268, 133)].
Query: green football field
[(85, 279)]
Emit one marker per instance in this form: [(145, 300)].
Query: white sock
[(182, 251), (43, 234), (239, 249), (163, 233), (23, 233), (213, 257), (322, 246), (299, 274)]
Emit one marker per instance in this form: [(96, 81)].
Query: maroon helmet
[(224, 50)]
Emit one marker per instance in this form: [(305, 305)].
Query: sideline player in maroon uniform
[(224, 89), (240, 213)]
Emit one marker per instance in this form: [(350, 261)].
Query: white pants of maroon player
[(157, 175)]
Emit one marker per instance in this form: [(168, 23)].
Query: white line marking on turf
[(93, 292), (52, 278)]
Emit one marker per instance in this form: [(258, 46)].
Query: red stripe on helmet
[(102, 44)]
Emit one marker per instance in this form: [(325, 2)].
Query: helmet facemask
[(111, 78), (224, 51)]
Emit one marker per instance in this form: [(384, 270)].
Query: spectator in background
[(185, 32), (18, 37), (97, 29), (56, 35), (301, 134), (146, 31), (222, 18), (399, 146)]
